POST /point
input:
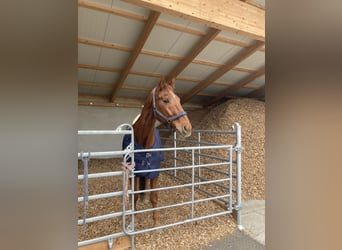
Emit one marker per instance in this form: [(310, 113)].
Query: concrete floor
[(253, 235)]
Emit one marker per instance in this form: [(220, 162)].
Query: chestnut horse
[(162, 105)]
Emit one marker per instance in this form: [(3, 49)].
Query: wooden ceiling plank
[(222, 70), (104, 45), (101, 68), (100, 97), (237, 86), (96, 84), (152, 19), (231, 15), (198, 48)]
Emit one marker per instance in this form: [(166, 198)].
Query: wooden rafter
[(258, 92), (231, 15), (152, 19), (238, 85), (212, 33), (96, 84), (222, 70), (94, 97), (162, 23)]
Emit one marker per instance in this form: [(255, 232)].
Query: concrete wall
[(102, 118)]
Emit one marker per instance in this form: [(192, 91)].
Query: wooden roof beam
[(231, 15), (152, 19), (222, 70), (237, 86), (194, 52)]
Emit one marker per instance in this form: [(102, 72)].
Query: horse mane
[(144, 125)]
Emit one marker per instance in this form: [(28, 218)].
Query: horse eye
[(166, 101)]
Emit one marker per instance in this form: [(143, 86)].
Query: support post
[(238, 151)]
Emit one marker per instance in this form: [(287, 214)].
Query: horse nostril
[(185, 129)]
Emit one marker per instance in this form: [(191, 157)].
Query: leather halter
[(168, 120)]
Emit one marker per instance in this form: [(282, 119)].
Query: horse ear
[(172, 82)]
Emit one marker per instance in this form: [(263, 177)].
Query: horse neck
[(144, 128)]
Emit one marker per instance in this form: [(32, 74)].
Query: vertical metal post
[(175, 153), (199, 157), (230, 169), (193, 184), (85, 160), (238, 150)]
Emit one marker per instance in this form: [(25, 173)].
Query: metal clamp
[(238, 149)]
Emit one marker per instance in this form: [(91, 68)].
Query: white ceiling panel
[(105, 76), (184, 86), (214, 89), (170, 41), (197, 71), (84, 89), (161, 39), (118, 4), (151, 64), (130, 94), (232, 76), (258, 82), (142, 81), (88, 54), (86, 75), (123, 31), (113, 58), (255, 61), (92, 23), (101, 91), (218, 52)]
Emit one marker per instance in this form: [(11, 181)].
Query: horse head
[(168, 109)]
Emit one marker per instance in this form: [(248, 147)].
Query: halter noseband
[(168, 120)]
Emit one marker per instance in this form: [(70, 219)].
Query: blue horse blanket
[(146, 160)]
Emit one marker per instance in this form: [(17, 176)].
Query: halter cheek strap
[(168, 120)]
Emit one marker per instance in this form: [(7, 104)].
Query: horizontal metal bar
[(99, 239), (100, 175), (104, 153), (122, 152), (100, 217), (177, 186), (101, 196), (201, 178), (177, 205), (190, 141), (178, 168), (177, 223), (104, 132), (208, 131), (212, 157)]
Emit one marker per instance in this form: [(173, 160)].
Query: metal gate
[(202, 170)]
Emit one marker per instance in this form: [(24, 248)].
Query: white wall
[(102, 118)]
